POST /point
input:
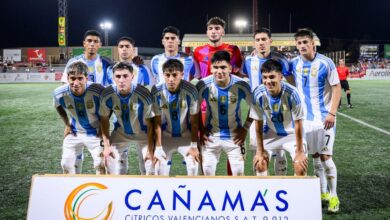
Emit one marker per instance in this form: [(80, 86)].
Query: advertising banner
[(377, 74), (61, 31), (28, 77), (36, 55), (107, 52), (387, 51), (12, 54), (369, 51), (173, 198)]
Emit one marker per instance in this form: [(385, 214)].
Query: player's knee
[(209, 170), (325, 157), (68, 166), (100, 168)]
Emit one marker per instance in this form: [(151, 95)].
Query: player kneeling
[(279, 105)]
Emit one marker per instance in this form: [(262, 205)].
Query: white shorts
[(318, 139), (273, 142), (72, 148), (172, 144), (212, 151)]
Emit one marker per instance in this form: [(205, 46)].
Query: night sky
[(28, 23)]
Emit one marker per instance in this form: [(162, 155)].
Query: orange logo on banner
[(75, 200)]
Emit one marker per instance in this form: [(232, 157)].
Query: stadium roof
[(243, 40)]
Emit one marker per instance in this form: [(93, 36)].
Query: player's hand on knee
[(107, 152), (240, 135), (193, 152), (261, 161), (204, 138), (160, 154), (68, 130), (300, 164)]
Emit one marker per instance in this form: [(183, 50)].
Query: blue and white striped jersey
[(252, 67), (191, 67), (314, 80), (278, 112), (83, 110), (97, 69), (223, 113), (131, 111), (141, 75), (175, 108)]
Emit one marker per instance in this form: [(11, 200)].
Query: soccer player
[(203, 54), (317, 80), (223, 129), (252, 69), (97, 65), (343, 72), (279, 105), (79, 99), (171, 41), (176, 121), (132, 106), (126, 51)]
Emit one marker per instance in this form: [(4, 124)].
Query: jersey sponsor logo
[(117, 108), (89, 104)]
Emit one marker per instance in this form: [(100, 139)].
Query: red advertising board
[(36, 55)]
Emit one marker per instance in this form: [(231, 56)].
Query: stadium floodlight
[(241, 24), (106, 26)]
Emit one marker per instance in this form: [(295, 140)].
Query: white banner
[(29, 77), (173, 198), (12, 54), (377, 74)]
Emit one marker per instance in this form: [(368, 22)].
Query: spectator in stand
[(343, 72)]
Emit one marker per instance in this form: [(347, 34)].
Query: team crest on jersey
[(233, 99), (91, 69), (70, 107), (99, 68), (135, 72), (275, 107), (254, 69), (314, 71), (124, 107), (223, 99), (306, 71), (79, 106), (298, 69), (89, 104), (183, 104), (117, 108), (133, 107)]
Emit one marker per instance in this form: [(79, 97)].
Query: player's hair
[(126, 38), (304, 32), (122, 66), (271, 65), (216, 21), (171, 29), (93, 33), (172, 65), (221, 55), (76, 68), (262, 30)]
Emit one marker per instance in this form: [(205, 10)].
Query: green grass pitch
[(31, 138)]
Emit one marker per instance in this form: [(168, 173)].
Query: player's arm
[(193, 151), (300, 161), (260, 160), (61, 111), (158, 152), (151, 135), (331, 117), (105, 129)]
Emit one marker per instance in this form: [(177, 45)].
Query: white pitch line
[(364, 123)]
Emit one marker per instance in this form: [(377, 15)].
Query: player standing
[(279, 105), (79, 99), (171, 41), (97, 65), (317, 80), (176, 121), (223, 129), (132, 106)]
